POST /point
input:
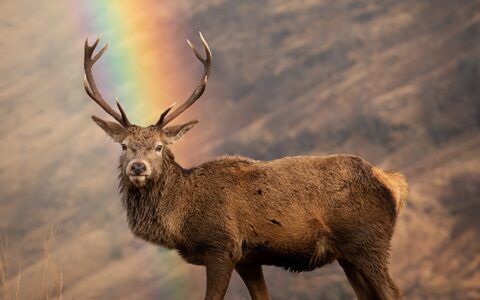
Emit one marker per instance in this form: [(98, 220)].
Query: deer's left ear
[(175, 132)]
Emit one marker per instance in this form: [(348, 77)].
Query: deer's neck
[(155, 213)]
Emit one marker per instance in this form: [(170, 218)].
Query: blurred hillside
[(396, 82)]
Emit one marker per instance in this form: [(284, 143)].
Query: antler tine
[(91, 88), (163, 115), (122, 112), (197, 93)]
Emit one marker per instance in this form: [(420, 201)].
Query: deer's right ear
[(116, 131)]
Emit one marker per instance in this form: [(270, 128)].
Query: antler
[(91, 88), (197, 93)]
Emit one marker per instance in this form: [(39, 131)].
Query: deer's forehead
[(143, 136)]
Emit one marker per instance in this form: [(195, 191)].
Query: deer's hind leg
[(378, 278), (364, 257), (369, 277), (252, 275), (362, 289)]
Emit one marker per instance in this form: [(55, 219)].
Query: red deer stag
[(298, 213)]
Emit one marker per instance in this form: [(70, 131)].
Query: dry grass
[(49, 279)]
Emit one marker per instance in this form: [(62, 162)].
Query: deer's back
[(291, 185)]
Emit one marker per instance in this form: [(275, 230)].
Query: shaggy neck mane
[(144, 206)]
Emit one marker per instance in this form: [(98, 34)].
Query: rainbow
[(148, 64)]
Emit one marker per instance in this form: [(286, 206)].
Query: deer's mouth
[(138, 180)]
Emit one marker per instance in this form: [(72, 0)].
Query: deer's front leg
[(252, 275), (219, 272)]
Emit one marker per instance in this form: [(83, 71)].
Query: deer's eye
[(124, 147), (158, 148)]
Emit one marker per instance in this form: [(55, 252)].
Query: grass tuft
[(50, 278)]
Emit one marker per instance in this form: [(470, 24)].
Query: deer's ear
[(113, 129), (176, 132)]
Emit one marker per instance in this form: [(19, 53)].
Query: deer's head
[(145, 149)]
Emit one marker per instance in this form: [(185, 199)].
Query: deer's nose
[(138, 168)]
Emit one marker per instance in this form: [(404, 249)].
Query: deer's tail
[(396, 183)]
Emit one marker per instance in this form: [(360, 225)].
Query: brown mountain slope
[(396, 82)]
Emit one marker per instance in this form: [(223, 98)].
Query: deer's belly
[(295, 259)]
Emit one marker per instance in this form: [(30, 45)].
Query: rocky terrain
[(396, 82)]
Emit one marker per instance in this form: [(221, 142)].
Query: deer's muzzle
[(138, 172)]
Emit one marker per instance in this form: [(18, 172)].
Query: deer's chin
[(138, 181)]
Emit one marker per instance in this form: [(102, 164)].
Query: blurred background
[(396, 82)]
